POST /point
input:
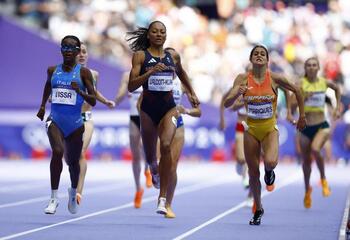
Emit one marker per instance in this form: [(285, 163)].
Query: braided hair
[(138, 39)]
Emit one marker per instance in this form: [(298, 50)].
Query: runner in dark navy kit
[(154, 69)]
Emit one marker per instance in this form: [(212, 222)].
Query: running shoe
[(326, 191), (307, 198), (79, 198), (239, 168), (269, 179), (138, 198), (256, 220), (148, 178), (161, 209), (156, 180), (169, 213), (250, 203), (51, 206), (72, 201)]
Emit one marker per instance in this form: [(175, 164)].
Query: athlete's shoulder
[(51, 69)]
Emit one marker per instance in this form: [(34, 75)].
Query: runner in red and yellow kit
[(259, 90)]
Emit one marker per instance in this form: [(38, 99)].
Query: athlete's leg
[(317, 144), (176, 148), (73, 146), (89, 129), (149, 134), (167, 130), (305, 147), (270, 148), (252, 149), (135, 144), (57, 145)]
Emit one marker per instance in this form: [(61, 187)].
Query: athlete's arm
[(337, 110), (135, 80), (86, 77), (123, 89), (222, 124), (99, 95), (282, 82), (194, 111), (185, 80), (239, 88), (46, 93)]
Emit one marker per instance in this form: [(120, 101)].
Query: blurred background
[(214, 38)]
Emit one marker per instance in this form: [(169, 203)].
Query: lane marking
[(88, 191), (346, 216), (181, 191), (285, 183)]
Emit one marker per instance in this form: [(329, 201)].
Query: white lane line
[(21, 187), (46, 197), (181, 191), (285, 183), (346, 215)]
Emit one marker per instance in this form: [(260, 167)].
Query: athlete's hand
[(222, 125), (336, 113), (41, 113), (242, 89), (301, 123), (75, 86), (291, 119), (181, 109), (307, 95), (159, 67), (110, 104), (194, 100)]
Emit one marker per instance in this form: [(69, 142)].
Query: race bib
[(260, 110), (161, 81), (64, 96), (317, 99)]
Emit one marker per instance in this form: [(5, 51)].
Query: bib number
[(260, 110), (64, 96), (161, 81), (316, 100)]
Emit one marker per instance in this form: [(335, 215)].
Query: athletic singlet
[(316, 102), (177, 94), (177, 91), (65, 102), (133, 98), (157, 90), (260, 101)]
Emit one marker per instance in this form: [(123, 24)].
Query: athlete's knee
[(315, 151), (58, 151), (165, 147)]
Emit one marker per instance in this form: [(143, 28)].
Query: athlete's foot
[(51, 206), (138, 198), (256, 220), (79, 198), (148, 178), (72, 201), (169, 213), (269, 179), (245, 181), (326, 191), (250, 203), (307, 198), (161, 209)]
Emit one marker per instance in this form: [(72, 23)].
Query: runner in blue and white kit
[(69, 84)]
